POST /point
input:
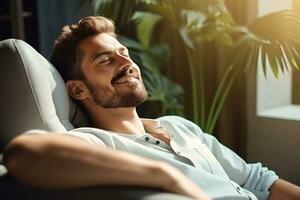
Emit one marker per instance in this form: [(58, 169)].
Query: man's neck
[(122, 120)]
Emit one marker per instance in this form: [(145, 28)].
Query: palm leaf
[(149, 2), (191, 23), (274, 38), (146, 22), (132, 44), (119, 11), (292, 58), (263, 60), (193, 19), (278, 26)]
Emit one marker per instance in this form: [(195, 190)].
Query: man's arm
[(284, 190), (62, 161)]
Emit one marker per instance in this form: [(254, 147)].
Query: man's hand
[(177, 182), (62, 161), (282, 189)]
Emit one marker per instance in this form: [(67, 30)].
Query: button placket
[(236, 187), (206, 159), (152, 140)]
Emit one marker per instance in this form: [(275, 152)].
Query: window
[(275, 96), (273, 118)]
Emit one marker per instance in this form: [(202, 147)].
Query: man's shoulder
[(174, 119), (91, 130), (171, 118)]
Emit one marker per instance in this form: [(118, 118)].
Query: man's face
[(112, 78)]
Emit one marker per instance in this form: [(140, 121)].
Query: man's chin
[(126, 100), (132, 100)]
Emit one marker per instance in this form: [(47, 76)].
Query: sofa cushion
[(33, 94)]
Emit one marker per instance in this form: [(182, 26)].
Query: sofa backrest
[(33, 94)]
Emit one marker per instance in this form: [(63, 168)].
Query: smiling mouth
[(125, 79)]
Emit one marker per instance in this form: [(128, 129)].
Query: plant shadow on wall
[(208, 38)]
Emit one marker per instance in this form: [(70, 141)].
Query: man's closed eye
[(105, 61)]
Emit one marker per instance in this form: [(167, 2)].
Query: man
[(169, 153)]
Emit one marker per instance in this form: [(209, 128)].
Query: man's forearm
[(284, 190), (56, 160), (62, 161)]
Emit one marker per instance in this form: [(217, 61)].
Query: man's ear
[(77, 89)]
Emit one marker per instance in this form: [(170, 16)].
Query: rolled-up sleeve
[(259, 180), (253, 177)]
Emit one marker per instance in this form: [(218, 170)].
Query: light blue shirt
[(216, 169)]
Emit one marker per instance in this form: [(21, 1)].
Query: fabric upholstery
[(33, 94)]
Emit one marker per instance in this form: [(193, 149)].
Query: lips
[(125, 76), (125, 79)]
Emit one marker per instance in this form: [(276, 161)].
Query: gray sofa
[(33, 96)]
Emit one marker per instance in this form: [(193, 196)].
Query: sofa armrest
[(10, 189)]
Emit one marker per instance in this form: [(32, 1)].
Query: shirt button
[(147, 138), (238, 189), (157, 142)]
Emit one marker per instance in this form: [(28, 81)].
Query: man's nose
[(123, 61)]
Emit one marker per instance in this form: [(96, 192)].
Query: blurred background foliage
[(193, 39)]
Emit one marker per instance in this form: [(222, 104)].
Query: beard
[(132, 97)]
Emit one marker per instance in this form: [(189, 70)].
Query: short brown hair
[(66, 56)]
